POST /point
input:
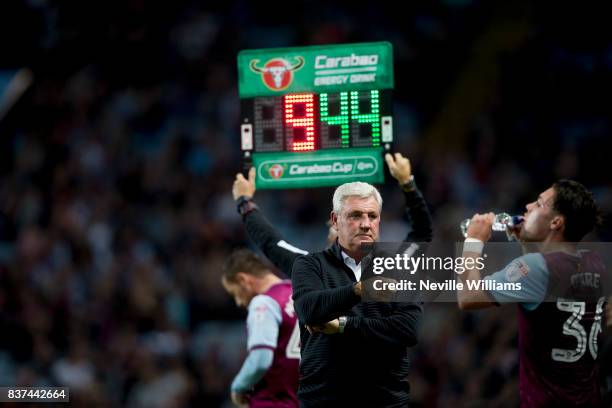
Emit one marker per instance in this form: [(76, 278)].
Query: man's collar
[(335, 251), (341, 254), (346, 256)]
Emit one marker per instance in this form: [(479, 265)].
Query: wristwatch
[(341, 324), (410, 185), (245, 205)]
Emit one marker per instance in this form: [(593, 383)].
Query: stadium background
[(117, 162)]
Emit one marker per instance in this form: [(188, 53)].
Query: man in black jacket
[(376, 336), (283, 254), (353, 353)]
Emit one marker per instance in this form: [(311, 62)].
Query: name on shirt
[(588, 279)]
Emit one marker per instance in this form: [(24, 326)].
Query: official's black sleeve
[(314, 304), (419, 217), (270, 241), (400, 328)]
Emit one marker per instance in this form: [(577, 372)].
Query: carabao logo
[(277, 73), (276, 171)]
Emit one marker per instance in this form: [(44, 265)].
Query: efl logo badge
[(277, 73), (276, 171)]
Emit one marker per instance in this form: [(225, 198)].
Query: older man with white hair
[(353, 353)]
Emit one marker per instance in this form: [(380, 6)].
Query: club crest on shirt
[(516, 270)]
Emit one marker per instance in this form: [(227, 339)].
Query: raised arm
[(258, 227), (533, 285), (417, 212)]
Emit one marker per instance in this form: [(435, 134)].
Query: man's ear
[(557, 223), (334, 220), (241, 278)]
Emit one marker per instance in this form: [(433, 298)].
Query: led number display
[(307, 122)]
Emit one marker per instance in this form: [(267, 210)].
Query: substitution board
[(316, 116)]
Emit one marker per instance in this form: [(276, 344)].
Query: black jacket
[(283, 255), (367, 365)]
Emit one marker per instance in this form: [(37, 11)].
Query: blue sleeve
[(263, 321), (531, 272), (253, 369)]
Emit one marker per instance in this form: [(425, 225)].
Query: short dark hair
[(246, 261), (577, 205)]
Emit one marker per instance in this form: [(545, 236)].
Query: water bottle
[(501, 223)]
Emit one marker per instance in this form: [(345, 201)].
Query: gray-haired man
[(353, 353)]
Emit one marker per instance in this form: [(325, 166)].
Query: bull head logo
[(276, 171), (277, 73)]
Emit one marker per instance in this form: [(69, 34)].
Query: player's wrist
[(245, 205), (243, 197), (472, 244), (409, 185)]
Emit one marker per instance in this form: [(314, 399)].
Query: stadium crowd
[(116, 167)]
